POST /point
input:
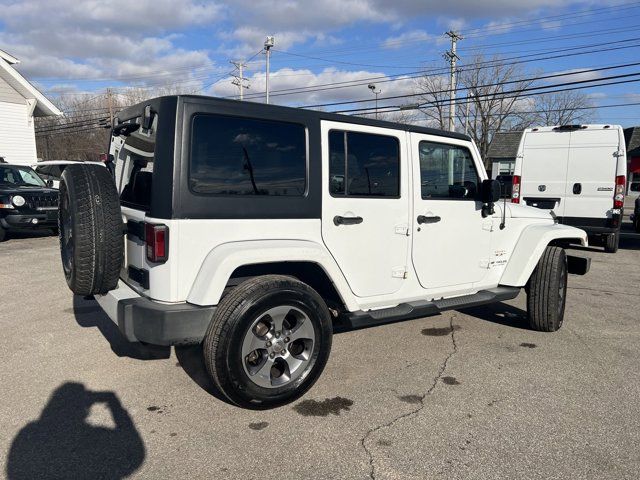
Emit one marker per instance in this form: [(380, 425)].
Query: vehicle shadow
[(500, 313), (62, 444), (88, 314), (192, 362)]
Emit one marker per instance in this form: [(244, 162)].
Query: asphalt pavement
[(467, 394)]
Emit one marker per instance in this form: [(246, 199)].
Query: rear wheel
[(91, 231), (611, 242), (546, 291), (268, 341), (3, 234)]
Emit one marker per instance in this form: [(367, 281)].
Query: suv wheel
[(611, 242), (3, 234), (268, 341), (547, 290)]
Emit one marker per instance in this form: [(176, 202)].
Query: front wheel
[(268, 342), (547, 290)]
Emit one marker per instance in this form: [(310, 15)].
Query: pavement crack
[(415, 411)]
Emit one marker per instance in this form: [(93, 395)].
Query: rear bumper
[(594, 225), (143, 320)]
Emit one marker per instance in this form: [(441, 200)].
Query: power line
[(544, 77), (442, 70), (496, 95)]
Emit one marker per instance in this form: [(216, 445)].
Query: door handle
[(424, 219), (577, 188), (339, 220)]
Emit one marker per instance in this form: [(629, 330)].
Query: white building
[(20, 102)]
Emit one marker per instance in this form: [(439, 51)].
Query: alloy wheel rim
[(66, 235), (277, 348)]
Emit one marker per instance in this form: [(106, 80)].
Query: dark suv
[(25, 200)]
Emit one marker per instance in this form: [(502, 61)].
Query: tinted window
[(447, 171), (365, 164), (134, 166), (246, 156)]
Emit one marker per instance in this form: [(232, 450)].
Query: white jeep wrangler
[(252, 228)]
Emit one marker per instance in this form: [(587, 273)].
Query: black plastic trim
[(143, 320), (578, 265), (139, 275), (424, 308)]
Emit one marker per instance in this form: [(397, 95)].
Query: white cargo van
[(579, 172)]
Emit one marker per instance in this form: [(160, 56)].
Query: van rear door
[(544, 169), (591, 173)]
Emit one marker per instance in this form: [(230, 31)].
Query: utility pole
[(452, 57), (110, 105), (238, 80), (268, 45)]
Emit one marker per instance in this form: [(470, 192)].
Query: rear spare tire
[(91, 230), (547, 291)]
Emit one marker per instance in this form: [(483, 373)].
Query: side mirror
[(491, 190)]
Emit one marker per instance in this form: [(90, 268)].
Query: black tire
[(3, 234), (611, 242), (55, 231), (91, 231), (233, 319), (636, 223), (547, 291)]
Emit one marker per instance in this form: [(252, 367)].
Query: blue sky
[(82, 47)]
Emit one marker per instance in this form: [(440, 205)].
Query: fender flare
[(221, 262), (530, 247)]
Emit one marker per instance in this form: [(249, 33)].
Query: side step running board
[(424, 308)]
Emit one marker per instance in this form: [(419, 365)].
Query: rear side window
[(363, 164), (134, 165), (447, 172), (247, 156)]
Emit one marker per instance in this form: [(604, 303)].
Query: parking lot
[(466, 394)]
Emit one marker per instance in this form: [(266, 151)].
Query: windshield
[(20, 177)]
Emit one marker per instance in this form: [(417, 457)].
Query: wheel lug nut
[(268, 344), (272, 355), (277, 334), (286, 340)]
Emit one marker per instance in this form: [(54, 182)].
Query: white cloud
[(573, 75), (412, 36)]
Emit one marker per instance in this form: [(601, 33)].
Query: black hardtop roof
[(247, 108)]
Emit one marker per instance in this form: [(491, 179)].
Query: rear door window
[(134, 166), (363, 165), (247, 156)]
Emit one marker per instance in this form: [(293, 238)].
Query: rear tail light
[(515, 189), (156, 239), (618, 198)]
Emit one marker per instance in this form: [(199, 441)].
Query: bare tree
[(495, 92), (434, 98), (563, 108)]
